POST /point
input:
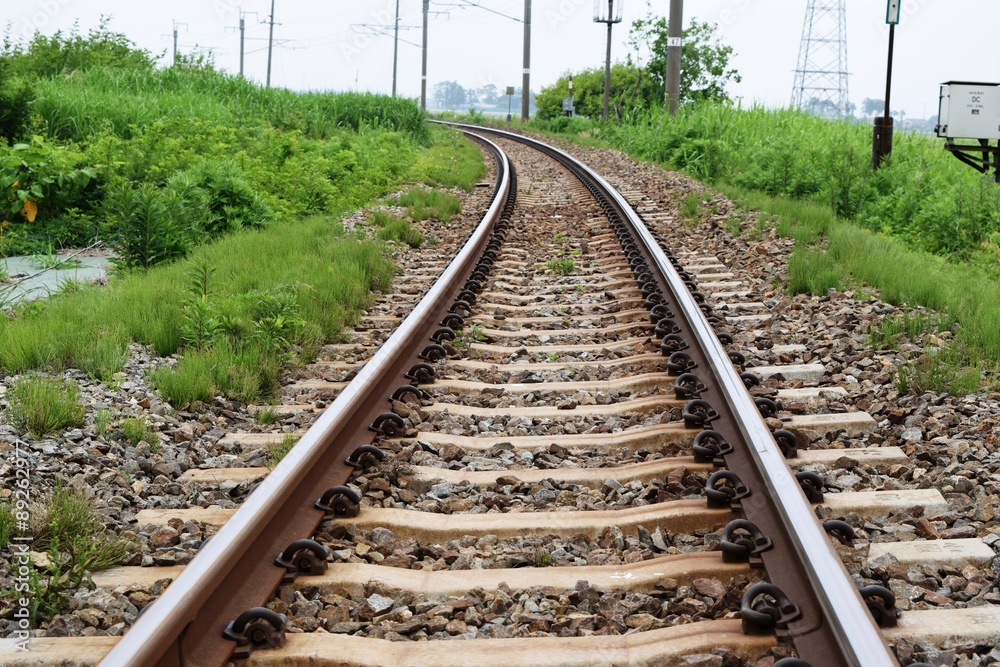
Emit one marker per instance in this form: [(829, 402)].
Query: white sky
[(324, 49)]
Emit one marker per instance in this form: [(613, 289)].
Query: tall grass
[(961, 292), (331, 273), (923, 196), (77, 105)]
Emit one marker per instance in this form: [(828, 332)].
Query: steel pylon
[(821, 74)]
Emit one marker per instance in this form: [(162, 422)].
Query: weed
[(136, 430), (188, 382), (103, 355), (267, 416), (542, 558), (945, 370), (580, 289), (560, 237), (887, 333), (401, 231), (561, 267), (69, 286), (691, 208), (8, 521), (102, 421), (69, 530), (41, 405), (199, 324), (423, 204), (812, 272), (52, 260), (277, 450)]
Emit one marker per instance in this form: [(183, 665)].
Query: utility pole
[(270, 46), (176, 26), (423, 70), (526, 81), (612, 17), (607, 61), (395, 49), (243, 36), (675, 43)]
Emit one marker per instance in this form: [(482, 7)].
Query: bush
[(16, 96), (226, 201), (146, 225)]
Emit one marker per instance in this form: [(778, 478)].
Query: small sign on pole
[(892, 13)]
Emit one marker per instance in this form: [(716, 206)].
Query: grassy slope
[(330, 273), (833, 251)]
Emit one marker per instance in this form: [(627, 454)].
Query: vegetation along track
[(562, 406)]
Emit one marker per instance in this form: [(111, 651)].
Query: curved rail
[(836, 627), (235, 571)]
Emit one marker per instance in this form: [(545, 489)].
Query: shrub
[(227, 200), (41, 405), (146, 227), (16, 96), (70, 531)]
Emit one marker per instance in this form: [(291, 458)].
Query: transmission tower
[(821, 76)]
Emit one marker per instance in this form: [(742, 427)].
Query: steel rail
[(235, 570), (838, 629)]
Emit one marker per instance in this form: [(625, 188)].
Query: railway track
[(574, 467)]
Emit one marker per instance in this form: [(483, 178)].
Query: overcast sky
[(323, 45)]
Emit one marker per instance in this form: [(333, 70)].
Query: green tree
[(449, 94), (705, 73), (631, 87), (705, 68)]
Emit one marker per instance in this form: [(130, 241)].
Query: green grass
[(424, 204), (691, 208), (277, 450), (102, 421), (887, 334), (561, 267), (266, 417), (402, 231), (393, 228), (830, 251), (128, 100), (137, 430), (452, 160), (69, 530), (329, 273), (41, 405), (923, 196)]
